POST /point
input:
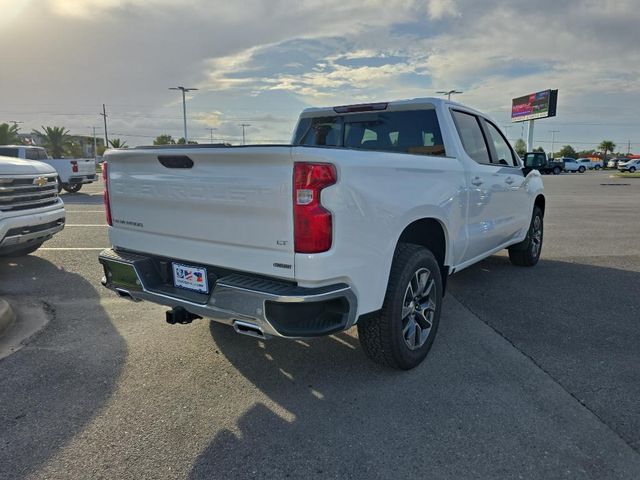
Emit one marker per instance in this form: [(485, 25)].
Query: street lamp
[(184, 108), (243, 125), (448, 93)]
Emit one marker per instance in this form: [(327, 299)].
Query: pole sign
[(535, 105)]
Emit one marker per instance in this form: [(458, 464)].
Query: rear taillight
[(74, 166), (312, 222), (107, 205)]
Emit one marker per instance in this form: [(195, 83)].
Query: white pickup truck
[(30, 210), (72, 172), (360, 220)]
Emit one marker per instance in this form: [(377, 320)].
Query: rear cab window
[(9, 152), (403, 131)]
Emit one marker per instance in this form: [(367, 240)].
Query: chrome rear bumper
[(273, 307)]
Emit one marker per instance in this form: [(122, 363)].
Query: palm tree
[(117, 143), (56, 140), (606, 146), (9, 134)]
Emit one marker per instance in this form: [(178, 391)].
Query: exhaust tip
[(245, 328)]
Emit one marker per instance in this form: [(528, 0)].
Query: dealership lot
[(534, 373)]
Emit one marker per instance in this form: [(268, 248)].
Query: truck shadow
[(330, 413), (63, 377), (81, 198)]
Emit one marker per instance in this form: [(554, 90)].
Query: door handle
[(477, 181), (509, 181)]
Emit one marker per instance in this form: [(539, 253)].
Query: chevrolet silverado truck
[(359, 221), (72, 172), (30, 210)]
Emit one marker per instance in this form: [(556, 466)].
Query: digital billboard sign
[(535, 105)]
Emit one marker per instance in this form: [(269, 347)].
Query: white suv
[(629, 166)]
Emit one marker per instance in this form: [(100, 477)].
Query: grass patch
[(627, 175)]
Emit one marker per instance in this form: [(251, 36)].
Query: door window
[(471, 136), (503, 152)]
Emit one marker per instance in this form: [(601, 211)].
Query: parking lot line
[(72, 248)]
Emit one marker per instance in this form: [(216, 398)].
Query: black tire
[(597, 167), (22, 251), (632, 170), (556, 170), (525, 253), (59, 185), (72, 187), (382, 335), (581, 169)]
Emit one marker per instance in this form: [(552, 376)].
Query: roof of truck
[(406, 104)]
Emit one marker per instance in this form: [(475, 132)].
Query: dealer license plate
[(191, 278)]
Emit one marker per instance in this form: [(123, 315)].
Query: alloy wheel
[(418, 309)]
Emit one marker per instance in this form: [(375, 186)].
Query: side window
[(42, 154), (502, 149), (9, 152), (471, 136), (31, 153)]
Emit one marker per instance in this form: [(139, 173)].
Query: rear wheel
[(597, 167), (401, 334), (556, 170), (527, 252), (581, 169), (72, 187), (632, 170)]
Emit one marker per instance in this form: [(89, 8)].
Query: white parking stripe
[(70, 248)]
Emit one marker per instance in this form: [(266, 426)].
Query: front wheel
[(597, 167), (527, 252), (632, 170), (72, 187), (402, 332)]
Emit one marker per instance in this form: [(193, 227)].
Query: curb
[(7, 315)]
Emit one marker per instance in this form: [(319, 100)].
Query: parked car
[(613, 163), (30, 210), (630, 165), (572, 165), (540, 162), (360, 221), (590, 164), (72, 173)]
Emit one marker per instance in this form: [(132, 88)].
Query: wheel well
[(540, 202), (429, 233)]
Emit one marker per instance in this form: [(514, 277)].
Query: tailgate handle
[(175, 161)]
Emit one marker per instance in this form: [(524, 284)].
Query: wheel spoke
[(409, 331), (406, 311)]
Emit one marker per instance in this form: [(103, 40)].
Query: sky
[(260, 62)]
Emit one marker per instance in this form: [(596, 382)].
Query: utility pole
[(629, 147), (211, 131), (243, 125), (553, 140), (184, 90), (448, 93), (95, 144), (104, 116)]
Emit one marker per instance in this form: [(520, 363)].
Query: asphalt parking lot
[(535, 372)]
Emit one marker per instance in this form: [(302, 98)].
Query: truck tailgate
[(86, 166), (228, 207)]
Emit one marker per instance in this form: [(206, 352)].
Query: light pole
[(184, 108), (448, 93), (243, 125), (211, 131), (553, 140)]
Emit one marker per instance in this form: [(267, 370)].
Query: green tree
[(117, 143), (164, 140), (539, 149), (606, 146), (520, 147), (181, 141), (567, 151), (56, 140), (9, 134)]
